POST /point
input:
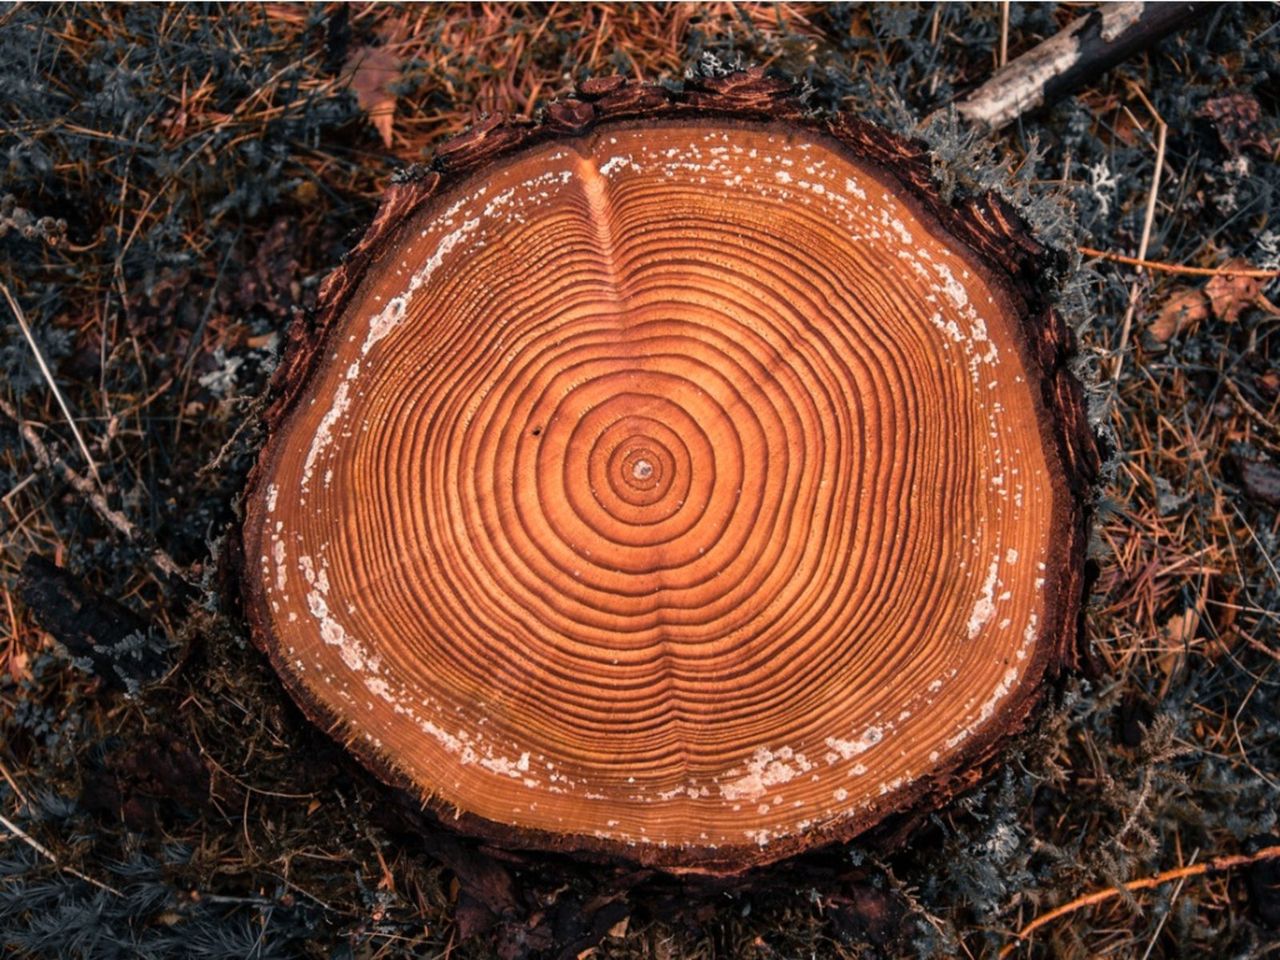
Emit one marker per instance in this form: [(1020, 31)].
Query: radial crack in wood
[(685, 487)]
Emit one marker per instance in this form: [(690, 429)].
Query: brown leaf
[(1181, 628), (372, 71), (1178, 630), (1229, 295), (19, 666), (1261, 481), (1182, 311), (1267, 383), (1235, 117), (619, 929)]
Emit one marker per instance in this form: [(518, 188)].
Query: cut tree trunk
[(678, 479)]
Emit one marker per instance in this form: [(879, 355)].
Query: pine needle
[(48, 854), (1162, 130), (53, 384)]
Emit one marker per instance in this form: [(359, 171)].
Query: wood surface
[(678, 479), (1081, 52)]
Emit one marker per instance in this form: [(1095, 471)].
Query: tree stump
[(679, 479)]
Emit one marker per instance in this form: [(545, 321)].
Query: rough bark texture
[(999, 245), (106, 637), (1086, 48)]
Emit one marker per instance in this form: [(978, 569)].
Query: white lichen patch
[(900, 228), (765, 768), (389, 317), (1001, 691), (378, 687), (503, 766), (278, 555), (354, 654), (324, 432), (614, 164), (985, 606), (1029, 636), (848, 749), (955, 292)]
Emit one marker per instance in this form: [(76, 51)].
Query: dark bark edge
[(1002, 247), (1083, 50)]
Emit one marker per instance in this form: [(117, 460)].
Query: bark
[(1086, 48), (109, 639)]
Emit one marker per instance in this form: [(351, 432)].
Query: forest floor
[(177, 181)]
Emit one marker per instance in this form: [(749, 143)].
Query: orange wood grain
[(681, 486)]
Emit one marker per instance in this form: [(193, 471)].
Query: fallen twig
[(114, 518), (53, 384), (1162, 267), (48, 854), (1262, 648), (251, 420), (1168, 876), (1085, 48), (1265, 423), (13, 784), (1162, 130)]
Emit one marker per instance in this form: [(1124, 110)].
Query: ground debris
[(1183, 311), (373, 71), (1260, 480), (107, 639), (1237, 119), (1230, 294), (1224, 297)]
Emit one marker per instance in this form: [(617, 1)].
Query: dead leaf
[(619, 929), (1267, 383), (372, 71), (19, 665), (1179, 633), (1229, 294), (1261, 481), (1182, 311), (1235, 117), (388, 880), (1225, 297)]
